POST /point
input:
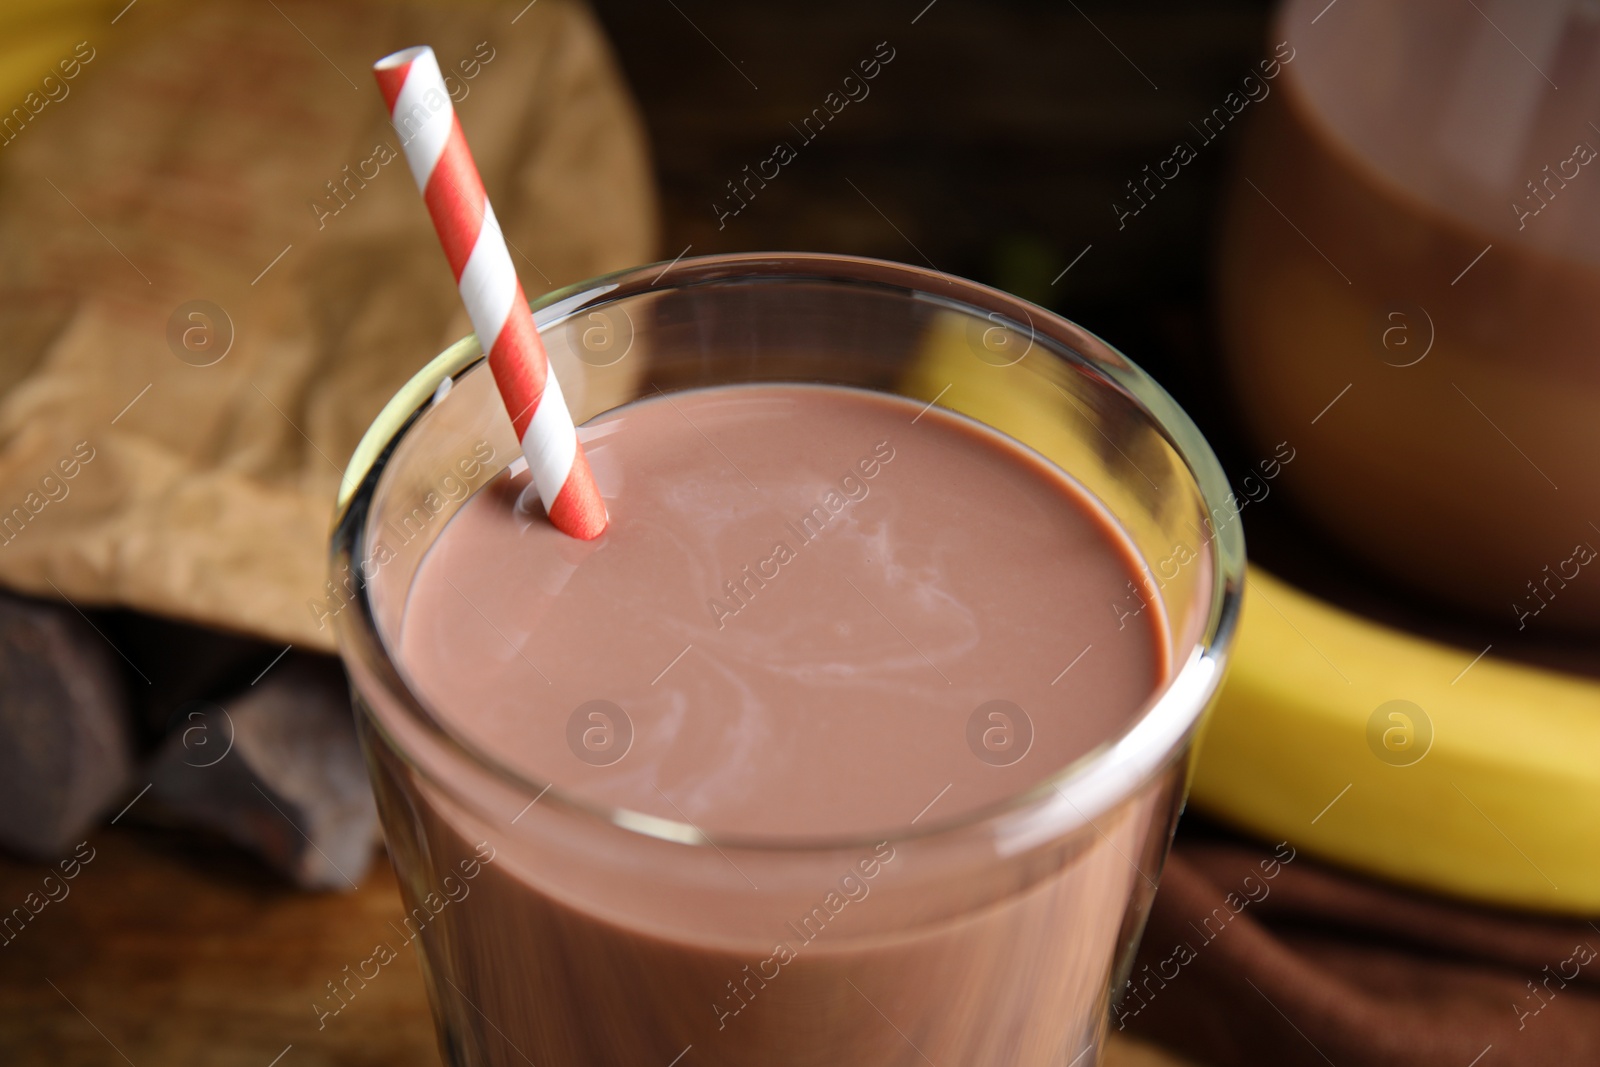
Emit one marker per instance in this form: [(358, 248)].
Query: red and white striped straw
[(430, 134)]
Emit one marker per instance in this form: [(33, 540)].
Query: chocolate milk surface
[(805, 596)]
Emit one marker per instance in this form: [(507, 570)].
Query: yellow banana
[(1502, 805)]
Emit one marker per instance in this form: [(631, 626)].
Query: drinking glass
[(556, 931)]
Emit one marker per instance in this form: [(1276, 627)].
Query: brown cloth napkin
[(215, 268), (1258, 955)]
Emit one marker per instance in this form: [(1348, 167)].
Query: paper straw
[(441, 163)]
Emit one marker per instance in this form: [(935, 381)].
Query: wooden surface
[(168, 951)]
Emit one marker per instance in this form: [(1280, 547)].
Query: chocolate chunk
[(65, 745), (276, 769)]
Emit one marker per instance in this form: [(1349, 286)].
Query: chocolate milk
[(818, 613)]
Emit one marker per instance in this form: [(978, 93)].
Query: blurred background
[(1356, 240), (992, 146)]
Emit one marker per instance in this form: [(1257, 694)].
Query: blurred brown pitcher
[(1410, 285)]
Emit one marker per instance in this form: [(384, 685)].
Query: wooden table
[(169, 951)]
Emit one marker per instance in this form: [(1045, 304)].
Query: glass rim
[(1066, 799)]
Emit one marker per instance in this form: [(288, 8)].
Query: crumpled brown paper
[(215, 269)]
